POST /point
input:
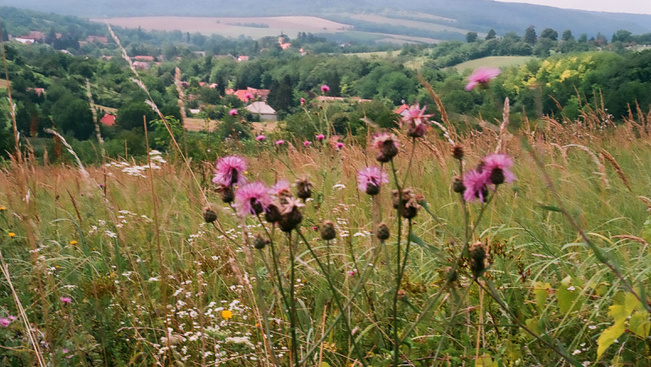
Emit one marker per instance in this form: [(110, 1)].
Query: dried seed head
[(457, 152), (328, 230), (402, 295), (458, 186), (304, 188), (291, 216), (477, 259), (382, 232), (226, 193), (260, 242), (387, 144), (407, 205), (209, 215)]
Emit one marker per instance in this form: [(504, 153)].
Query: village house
[(266, 112)]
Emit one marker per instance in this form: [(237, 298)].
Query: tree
[(549, 34), (73, 116), (281, 94), (622, 36), (130, 116), (471, 37), (530, 36), (491, 34), (567, 35)]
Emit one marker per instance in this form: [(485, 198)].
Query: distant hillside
[(476, 15)]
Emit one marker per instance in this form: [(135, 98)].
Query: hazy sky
[(621, 6)]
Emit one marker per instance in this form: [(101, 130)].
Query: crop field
[(424, 25), (233, 27)]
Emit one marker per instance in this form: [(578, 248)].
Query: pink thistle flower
[(260, 137), (325, 89), (280, 188), (339, 145), (66, 300), (248, 96), (320, 137), (230, 171), (476, 184), (232, 112), (416, 121), (252, 198), (4, 322), (370, 178), (307, 143), (481, 76), (498, 168), (280, 142), (302, 101)]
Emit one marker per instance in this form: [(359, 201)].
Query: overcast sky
[(620, 6)]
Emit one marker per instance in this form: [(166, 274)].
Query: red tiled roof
[(108, 120)]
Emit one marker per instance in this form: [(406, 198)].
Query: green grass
[(136, 258), (493, 61)]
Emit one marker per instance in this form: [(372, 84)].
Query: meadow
[(151, 263)]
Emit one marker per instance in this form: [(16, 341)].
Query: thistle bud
[(477, 257), (452, 276), (260, 242), (272, 213), (458, 186), (402, 295), (457, 152), (382, 232), (209, 215), (303, 188), (328, 231), (226, 193)]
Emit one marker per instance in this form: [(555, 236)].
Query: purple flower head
[(260, 137), (252, 198), (481, 76), (476, 184), (339, 145), (370, 178), (325, 89), (302, 101), (67, 300), (232, 112), (280, 142), (248, 96), (4, 322), (320, 137), (281, 188), (230, 171), (307, 143), (498, 168), (416, 120)]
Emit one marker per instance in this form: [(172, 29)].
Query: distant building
[(403, 110), (39, 91), (143, 58), (97, 39), (266, 112), (242, 58), (249, 94), (141, 65)]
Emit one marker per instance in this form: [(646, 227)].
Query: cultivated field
[(233, 27)]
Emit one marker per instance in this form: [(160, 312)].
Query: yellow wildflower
[(73, 242), (2, 208), (12, 234), (227, 314)]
